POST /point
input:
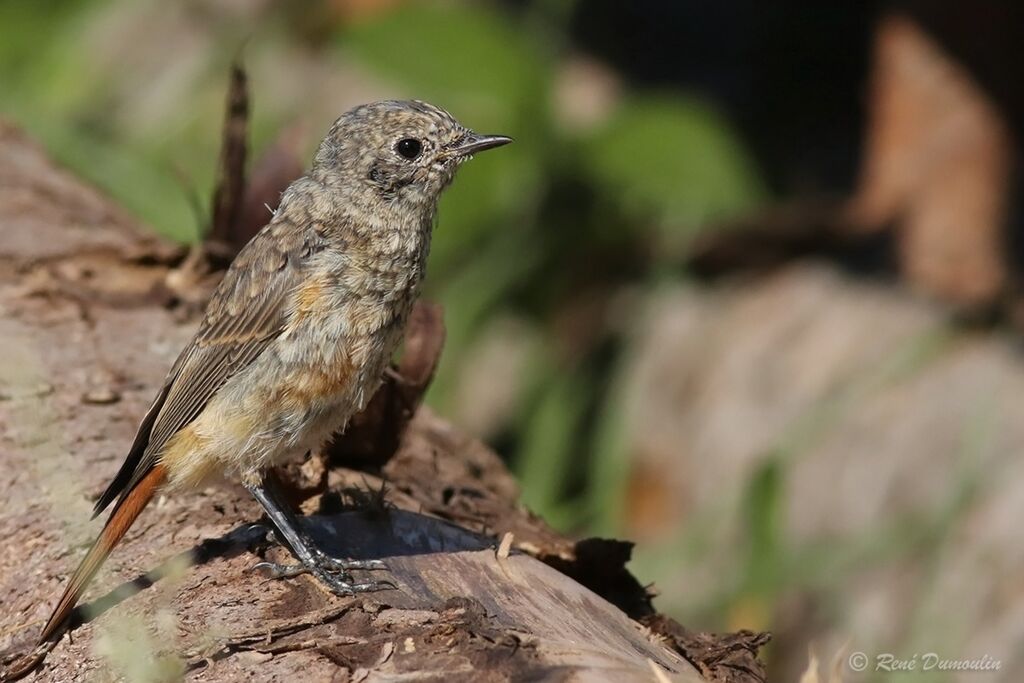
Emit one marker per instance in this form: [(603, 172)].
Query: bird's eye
[(409, 148)]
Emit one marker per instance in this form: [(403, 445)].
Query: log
[(486, 590)]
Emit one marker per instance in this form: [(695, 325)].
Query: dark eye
[(409, 148)]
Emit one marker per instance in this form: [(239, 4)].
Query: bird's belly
[(304, 387), (285, 403)]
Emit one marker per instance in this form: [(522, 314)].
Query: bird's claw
[(332, 572), (280, 571), (334, 564), (344, 586)]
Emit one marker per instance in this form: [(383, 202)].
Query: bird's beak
[(472, 143)]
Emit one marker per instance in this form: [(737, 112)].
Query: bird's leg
[(333, 572)]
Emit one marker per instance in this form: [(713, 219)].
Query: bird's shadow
[(359, 535)]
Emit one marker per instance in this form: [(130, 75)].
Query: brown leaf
[(937, 168)]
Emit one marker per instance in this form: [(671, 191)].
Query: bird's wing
[(247, 312)]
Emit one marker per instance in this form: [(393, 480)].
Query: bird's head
[(398, 152)]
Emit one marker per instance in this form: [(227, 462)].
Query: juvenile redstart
[(298, 334)]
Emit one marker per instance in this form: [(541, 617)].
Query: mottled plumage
[(297, 335)]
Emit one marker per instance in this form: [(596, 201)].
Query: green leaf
[(494, 192), (762, 510), (609, 469), (672, 162), (470, 59), (545, 458), (474, 293)]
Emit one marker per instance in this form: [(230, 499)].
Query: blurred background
[(746, 289)]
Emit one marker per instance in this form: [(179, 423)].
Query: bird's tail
[(125, 512)]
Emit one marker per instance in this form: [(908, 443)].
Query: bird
[(298, 334)]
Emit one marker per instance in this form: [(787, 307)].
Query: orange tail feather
[(125, 512)]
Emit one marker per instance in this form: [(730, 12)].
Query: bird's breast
[(347, 323)]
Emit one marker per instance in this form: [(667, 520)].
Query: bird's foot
[(332, 572), (329, 564)]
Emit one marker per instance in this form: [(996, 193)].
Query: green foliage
[(75, 81), (672, 161), (473, 293), (470, 57), (550, 446), (762, 511)]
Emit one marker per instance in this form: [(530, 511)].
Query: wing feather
[(246, 313)]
